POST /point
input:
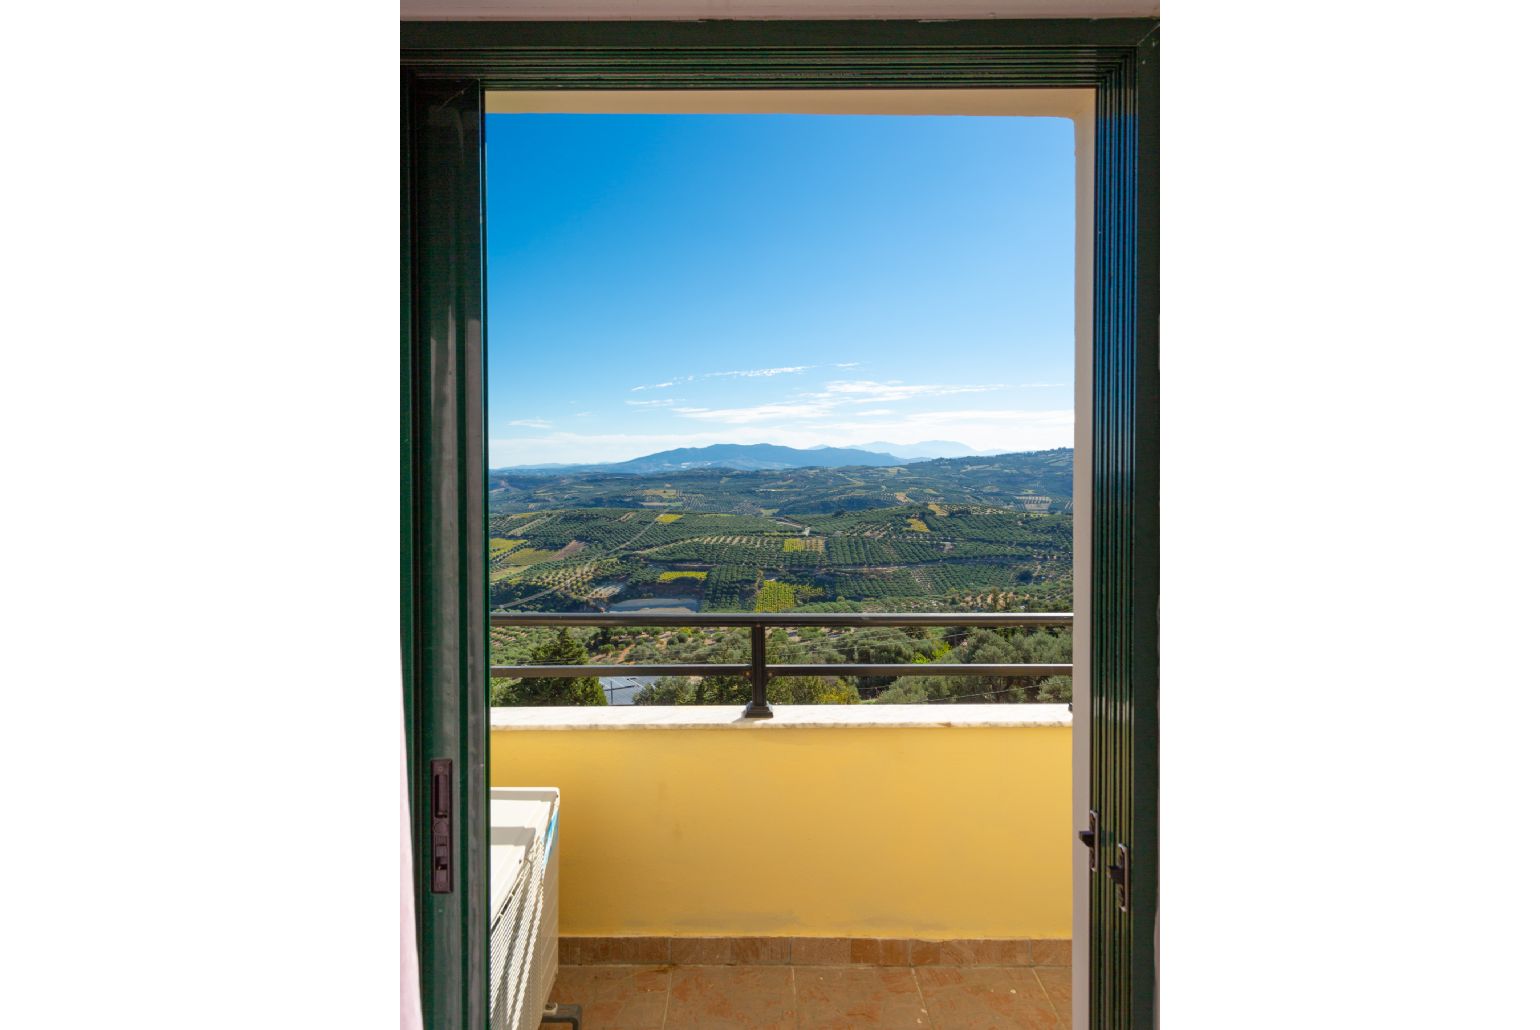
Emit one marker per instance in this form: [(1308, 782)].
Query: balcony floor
[(648, 997)]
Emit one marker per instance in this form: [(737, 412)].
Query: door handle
[(441, 813), (1091, 839), (1118, 873)]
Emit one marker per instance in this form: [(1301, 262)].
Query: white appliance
[(523, 837)]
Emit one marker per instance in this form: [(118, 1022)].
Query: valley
[(956, 534)]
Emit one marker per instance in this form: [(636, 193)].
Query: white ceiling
[(666, 10)]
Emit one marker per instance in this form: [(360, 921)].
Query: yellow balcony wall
[(863, 821)]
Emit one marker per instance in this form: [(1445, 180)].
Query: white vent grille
[(523, 931)]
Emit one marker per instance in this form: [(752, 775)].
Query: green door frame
[(446, 67), (443, 519)]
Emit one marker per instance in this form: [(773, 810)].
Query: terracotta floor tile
[(879, 951), (924, 953), (1005, 953), (820, 951), (960, 998), (1056, 981), (626, 951), (713, 997), (615, 997), (959, 953), (986, 953), (1051, 953), (651, 997), (761, 950), (700, 951), (834, 997)]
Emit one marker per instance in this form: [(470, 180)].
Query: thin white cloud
[(830, 401), (758, 373), (866, 391), (531, 423), (790, 411), (991, 431), (745, 373), (839, 413), (927, 423)]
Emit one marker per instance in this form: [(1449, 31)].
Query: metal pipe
[(1017, 670), (789, 619), (575, 671), (1011, 670), (758, 670)]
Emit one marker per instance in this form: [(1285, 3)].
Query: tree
[(1057, 689), (812, 690), (667, 690), (561, 650), (882, 646), (907, 690), (694, 690)]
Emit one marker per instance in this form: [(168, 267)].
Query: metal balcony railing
[(758, 670)]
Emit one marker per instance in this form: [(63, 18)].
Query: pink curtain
[(411, 1002)]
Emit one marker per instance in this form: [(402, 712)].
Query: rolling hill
[(741, 457), (1029, 481)]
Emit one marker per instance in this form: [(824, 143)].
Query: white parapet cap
[(724, 717)]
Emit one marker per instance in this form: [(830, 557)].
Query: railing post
[(759, 675)]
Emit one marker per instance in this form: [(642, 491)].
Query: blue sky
[(659, 281)]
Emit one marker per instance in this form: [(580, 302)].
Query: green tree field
[(562, 650)]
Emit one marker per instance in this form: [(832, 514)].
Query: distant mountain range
[(924, 450), (759, 457), (1035, 481)]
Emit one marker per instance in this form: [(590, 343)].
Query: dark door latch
[(1118, 873), (441, 809), (1092, 839)]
